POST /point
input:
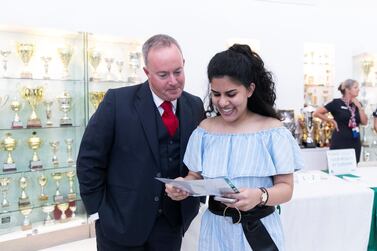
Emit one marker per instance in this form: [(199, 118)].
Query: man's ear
[(146, 71)]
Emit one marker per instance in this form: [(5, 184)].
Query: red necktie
[(168, 117)]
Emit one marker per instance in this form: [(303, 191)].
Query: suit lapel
[(145, 107), (185, 123)]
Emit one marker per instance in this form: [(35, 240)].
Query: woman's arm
[(363, 115), (321, 113)]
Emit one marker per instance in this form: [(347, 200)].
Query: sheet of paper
[(217, 186)]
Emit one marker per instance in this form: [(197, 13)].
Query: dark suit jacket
[(119, 158)]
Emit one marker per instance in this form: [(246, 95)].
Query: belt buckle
[(239, 215)]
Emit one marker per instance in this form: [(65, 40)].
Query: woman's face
[(230, 98), (354, 90)]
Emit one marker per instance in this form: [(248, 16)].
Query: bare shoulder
[(265, 123), (208, 124)]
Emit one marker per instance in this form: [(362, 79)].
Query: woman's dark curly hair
[(242, 64)]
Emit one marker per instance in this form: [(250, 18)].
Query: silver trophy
[(69, 143), (54, 146), (46, 61), (308, 120), (4, 182), (134, 64), (5, 54), (65, 105), (288, 119)]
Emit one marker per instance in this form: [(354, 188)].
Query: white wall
[(202, 28)]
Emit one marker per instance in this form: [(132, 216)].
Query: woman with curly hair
[(247, 143)]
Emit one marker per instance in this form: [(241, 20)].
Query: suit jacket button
[(160, 211), (158, 175), (170, 159), (156, 198)]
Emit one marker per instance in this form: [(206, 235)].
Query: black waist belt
[(255, 232)]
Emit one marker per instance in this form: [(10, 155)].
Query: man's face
[(165, 72)]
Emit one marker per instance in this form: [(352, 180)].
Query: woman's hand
[(335, 124), (175, 193), (247, 198)]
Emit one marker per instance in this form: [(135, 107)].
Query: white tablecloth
[(325, 214)]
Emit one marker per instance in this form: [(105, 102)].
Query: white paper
[(341, 161), (218, 186)]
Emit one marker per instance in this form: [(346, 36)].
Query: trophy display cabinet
[(51, 82)]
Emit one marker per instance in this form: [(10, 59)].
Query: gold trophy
[(23, 201), (5, 54), (55, 146), (65, 56), (42, 181), (94, 60), (96, 98), (65, 105), (35, 143), (16, 106), (4, 182), (63, 208), (48, 104), (46, 61), (69, 143), (34, 96), (58, 197), (26, 211), (9, 144), (134, 64), (25, 51), (71, 194), (48, 209)]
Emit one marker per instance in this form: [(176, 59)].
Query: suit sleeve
[(93, 157)]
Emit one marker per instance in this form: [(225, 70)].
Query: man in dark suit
[(138, 133)]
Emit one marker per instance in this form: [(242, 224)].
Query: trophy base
[(26, 74), (48, 222), (34, 123), (17, 124), (23, 203), (5, 220), (72, 196), (36, 165), (64, 220), (49, 124), (65, 122), (26, 227), (43, 197), (309, 145), (58, 198), (94, 79), (9, 167), (133, 80)]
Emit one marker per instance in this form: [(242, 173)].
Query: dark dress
[(343, 138)]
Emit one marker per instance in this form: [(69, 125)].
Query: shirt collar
[(158, 101)]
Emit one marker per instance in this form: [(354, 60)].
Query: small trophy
[(71, 194), (63, 207), (23, 201), (65, 56), (134, 64), (94, 60), (55, 146), (9, 144), (69, 143), (5, 54), (367, 64), (4, 182), (109, 62), (120, 65), (58, 197), (308, 120), (96, 98), (25, 51), (34, 96), (35, 143), (48, 104), (42, 181), (26, 211), (73, 207), (46, 61), (65, 105), (48, 209), (16, 106)]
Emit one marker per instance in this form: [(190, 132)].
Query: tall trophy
[(71, 194), (58, 197), (23, 200), (42, 181), (308, 121), (25, 51), (288, 119), (63, 208), (65, 56), (73, 208), (5, 54), (109, 62), (35, 143), (48, 104), (134, 64), (69, 143), (54, 146), (94, 60), (9, 144), (26, 211), (65, 105), (16, 106), (34, 96), (48, 209), (367, 64), (46, 61), (4, 182), (96, 98)]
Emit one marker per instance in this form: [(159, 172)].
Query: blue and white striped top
[(249, 160)]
